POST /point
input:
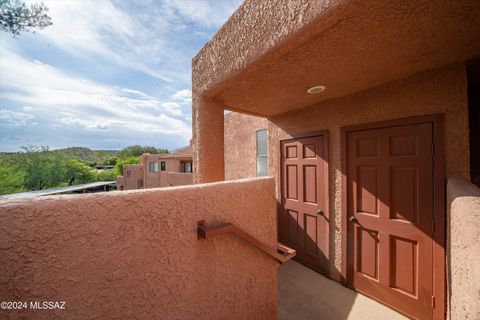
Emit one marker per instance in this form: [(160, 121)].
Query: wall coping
[(130, 193)]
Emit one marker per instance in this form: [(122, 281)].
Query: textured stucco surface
[(177, 179), (133, 176), (151, 179), (141, 178), (463, 203), (241, 144), (437, 91), (253, 30), (270, 52), (172, 176), (120, 181), (208, 139), (135, 254)]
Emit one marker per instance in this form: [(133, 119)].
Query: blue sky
[(106, 74)]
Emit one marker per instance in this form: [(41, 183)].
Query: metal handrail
[(282, 253)]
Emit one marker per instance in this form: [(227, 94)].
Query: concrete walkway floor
[(305, 294)]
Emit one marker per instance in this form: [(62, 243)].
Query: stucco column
[(208, 140)]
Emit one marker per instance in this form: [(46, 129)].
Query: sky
[(107, 74)]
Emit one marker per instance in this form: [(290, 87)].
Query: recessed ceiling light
[(316, 89)]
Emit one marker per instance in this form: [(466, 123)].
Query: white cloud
[(136, 93), (183, 96), (15, 118), (98, 28), (172, 108), (75, 101), (28, 109), (211, 13), (92, 125), (141, 35), (129, 42)]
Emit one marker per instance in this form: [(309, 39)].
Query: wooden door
[(390, 180), (303, 216)]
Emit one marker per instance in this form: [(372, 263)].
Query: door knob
[(320, 212), (352, 219)]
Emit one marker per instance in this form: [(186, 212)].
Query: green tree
[(121, 162), (138, 150), (100, 155), (92, 163), (77, 172), (12, 179), (107, 175), (110, 161), (16, 16), (43, 169)]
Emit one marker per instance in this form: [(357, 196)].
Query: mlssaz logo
[(47, 305)]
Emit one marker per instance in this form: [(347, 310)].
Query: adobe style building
[(373, 135), (158, 170), (353, 147)]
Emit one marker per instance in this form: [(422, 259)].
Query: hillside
[(86, 154), (80, 153)]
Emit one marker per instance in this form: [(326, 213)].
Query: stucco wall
[(150, 179), (438, 91), (160, 178), (178, 179), (135, 177), (241, 145), (274, 22), (173, 165), (120, 180), (463, 203), (135, 254), (140, 172)]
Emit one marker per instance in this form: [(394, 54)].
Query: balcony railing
[(282, 253)]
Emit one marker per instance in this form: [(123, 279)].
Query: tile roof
[(182, 153), (186, 152)]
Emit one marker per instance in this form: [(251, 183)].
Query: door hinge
[(433, 302)]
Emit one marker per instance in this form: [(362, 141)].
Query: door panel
[(303, 216), (390, 213)]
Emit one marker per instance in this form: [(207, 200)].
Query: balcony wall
[(464, 248), (176, 179), (241, 144), (135, 254), (133, 174)]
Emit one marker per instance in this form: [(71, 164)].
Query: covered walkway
[(306, 295)]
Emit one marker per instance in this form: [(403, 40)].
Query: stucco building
[(372, 110), (158, 170), (354, 141)]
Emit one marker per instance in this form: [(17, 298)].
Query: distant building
[(158, 170)]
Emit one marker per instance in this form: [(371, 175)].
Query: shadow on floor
[(305, 294)]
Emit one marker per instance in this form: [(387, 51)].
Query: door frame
[(326, 175), (439, 185)]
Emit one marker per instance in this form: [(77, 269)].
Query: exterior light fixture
[(316, 89)]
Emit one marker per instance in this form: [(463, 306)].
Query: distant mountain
[(80, 153), (86, 154)]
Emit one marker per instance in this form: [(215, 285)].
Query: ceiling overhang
[(266, 57)]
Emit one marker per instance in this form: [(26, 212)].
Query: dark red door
[(390, 216), (303, 220)]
